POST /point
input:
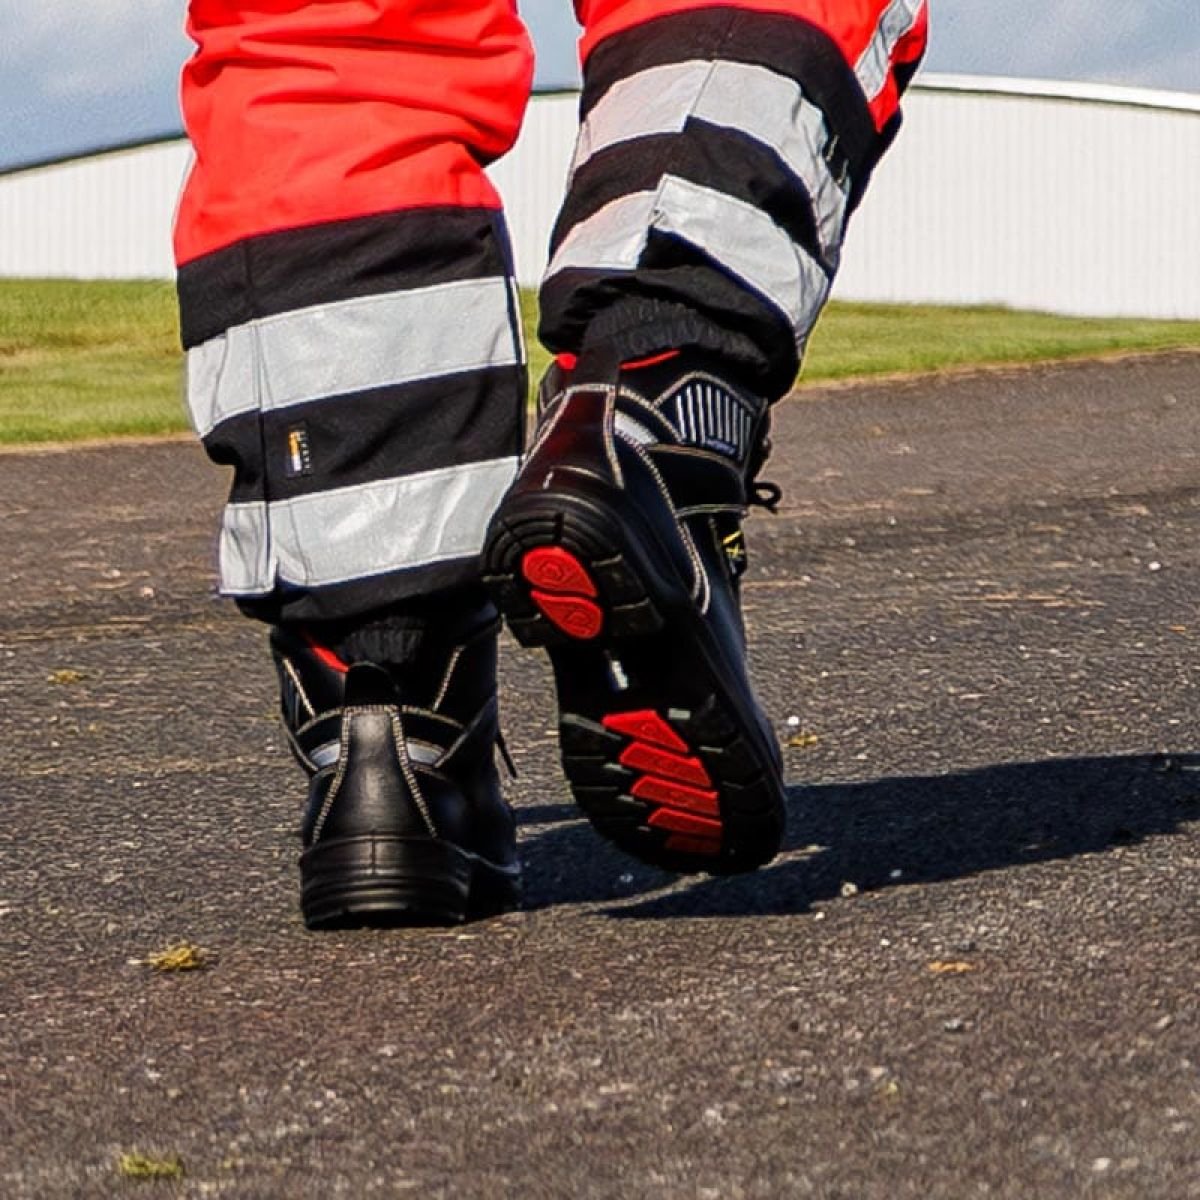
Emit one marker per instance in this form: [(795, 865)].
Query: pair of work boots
[(618, 550)]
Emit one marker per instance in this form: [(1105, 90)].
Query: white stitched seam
[(695, 510), (411, 710), (445, 687), (609, 435), (294, 675), (697, 565), (298, 750), (338, 776), (410, 776)]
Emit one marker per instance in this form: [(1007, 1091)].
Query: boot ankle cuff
[(635, 327), (409, 630)]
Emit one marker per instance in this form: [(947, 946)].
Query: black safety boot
[(619, 549), (405, 823)]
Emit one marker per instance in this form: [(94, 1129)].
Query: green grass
[(854, 340), (88, 360), (80, 360)]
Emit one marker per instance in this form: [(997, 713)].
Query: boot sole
[(381, 882), (657, 745)]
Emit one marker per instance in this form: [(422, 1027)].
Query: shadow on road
[(901, 830)]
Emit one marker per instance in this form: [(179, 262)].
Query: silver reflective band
[(424, 753), (243, 550), (351, 346), (356, 532), (326, 755), (873, 66), (755, 101), (738, 236), (612, 238)]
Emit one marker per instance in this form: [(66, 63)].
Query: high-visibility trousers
[(345, 282)]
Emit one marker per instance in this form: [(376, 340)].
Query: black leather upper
[(403, 752), (609, 432)]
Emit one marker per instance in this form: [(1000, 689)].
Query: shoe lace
[(762, 492), (502, 746), (765, 494)]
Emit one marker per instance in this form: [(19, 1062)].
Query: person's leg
[(354, 353), (721, 150)]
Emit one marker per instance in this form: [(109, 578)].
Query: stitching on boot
[(298, 751), (609, 436), (697, 510), (699, 577), (410, 776), (294, 676), (411, 710), (449, 675), (339, 776)]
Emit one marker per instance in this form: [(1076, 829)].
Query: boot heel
[(375, 881), (563, 574)]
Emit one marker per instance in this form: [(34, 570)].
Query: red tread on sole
[(655, 761), (646, 726), (675, 795), (575, 616), (557, 570), (683, 843), (681, 822)]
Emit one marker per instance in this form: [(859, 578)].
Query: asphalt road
[(973, 973)]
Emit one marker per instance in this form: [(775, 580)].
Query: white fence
[(1064, 198)]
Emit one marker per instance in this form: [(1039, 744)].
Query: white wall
[(104, 217), (1063, 198), (532, 178), (1079, 202)]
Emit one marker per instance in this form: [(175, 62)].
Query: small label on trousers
[(299, 454)]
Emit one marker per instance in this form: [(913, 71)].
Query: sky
[(79, 74)]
